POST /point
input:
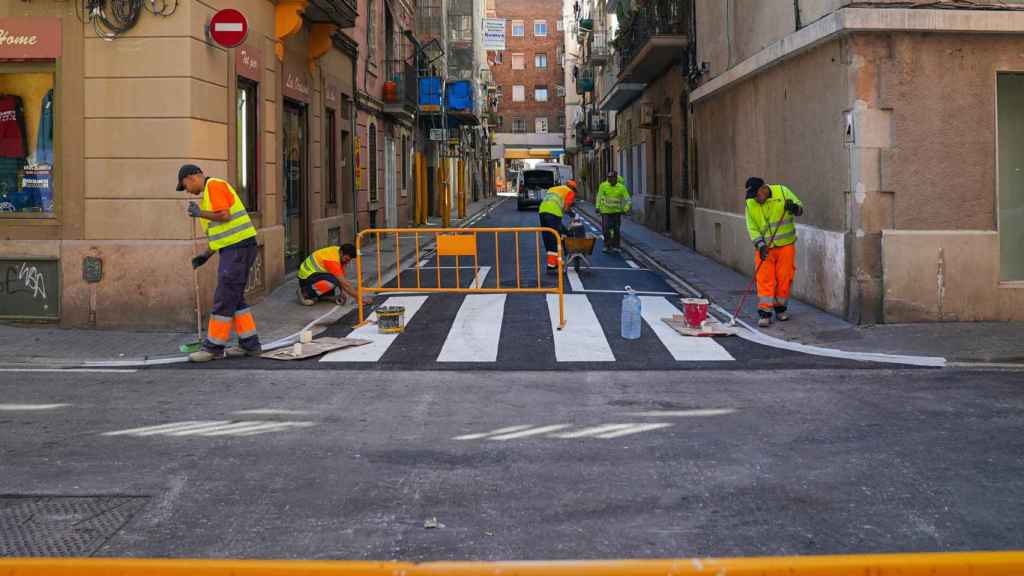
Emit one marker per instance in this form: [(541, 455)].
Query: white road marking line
[(71, 370), (30, 407), (636, 429), (683, 413), (380, 342), (273, 411), (632, 264), (193, 431), (147, 430), (531, 432), (481, 277), (638, 292), (582, 339), (574, 280), (474, 335), (620, 269), (228, 27), (593, 431), (253, 428), (494, 432), (689, 348)]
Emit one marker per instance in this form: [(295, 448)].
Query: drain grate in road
[(62, 525)]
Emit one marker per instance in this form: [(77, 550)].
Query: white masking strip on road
[(380, 342), (30, 407), (637, 292), (632, 264), (594, 431), (582, 339), (493, 432), (682, 348), (273, 411), (146, 430), (476, 331), (71, 370), (481, 277), (574, 280), (532, 432), (211, 428), (633, 430), (279, 427), (246, 428), (683, 413)]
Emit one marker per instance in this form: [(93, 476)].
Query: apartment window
[(540, 60), (560, 56), (560, 90), (541, 125), (540, 93), (518, 29), (501, 121), (331, 156), (561, 122), (518, 61), (518, 125), (560, 25), (498, 57), (247, 138), (519, 93), (540, 27)]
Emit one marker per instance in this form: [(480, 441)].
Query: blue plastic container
[(460, 96)]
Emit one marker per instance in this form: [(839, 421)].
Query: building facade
[(530, 77), (92, 232), (898, 125)]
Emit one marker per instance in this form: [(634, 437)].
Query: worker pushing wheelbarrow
[(579, 245)]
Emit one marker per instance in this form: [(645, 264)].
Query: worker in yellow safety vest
[(322, 275), (771, 212), (230, 233), (613, 201), (556, 203)]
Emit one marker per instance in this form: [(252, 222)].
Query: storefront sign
[(30, 38), (247, 62), (29, 288), (297, 83), (331, 96), (494, 33)]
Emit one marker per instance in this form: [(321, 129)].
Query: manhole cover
[(62, 526)]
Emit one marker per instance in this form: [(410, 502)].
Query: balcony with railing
[(585, 79), (399, 94), (651, 38), (598, 49)]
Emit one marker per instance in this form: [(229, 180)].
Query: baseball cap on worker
[(753, 185), (184, 172)]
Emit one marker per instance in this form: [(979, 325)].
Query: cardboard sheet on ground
[(678, 323), (315, 348)]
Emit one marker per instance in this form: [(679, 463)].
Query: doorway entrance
[(294, 134)]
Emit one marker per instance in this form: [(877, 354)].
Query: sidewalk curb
[(751, 334), (129, 364)]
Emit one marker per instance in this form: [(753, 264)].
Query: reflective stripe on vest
[(239, 227)]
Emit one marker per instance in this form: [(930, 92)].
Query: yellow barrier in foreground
[(459, 243), (952, 564)]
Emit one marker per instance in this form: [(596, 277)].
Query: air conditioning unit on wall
[(646, 115)]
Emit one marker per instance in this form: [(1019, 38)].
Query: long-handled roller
[(190, 347)]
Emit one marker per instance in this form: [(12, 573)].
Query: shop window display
[(27, 121)]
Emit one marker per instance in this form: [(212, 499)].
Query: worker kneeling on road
[(552, 209), (613, 201), (322, 275), (770, 222), (230, 232)]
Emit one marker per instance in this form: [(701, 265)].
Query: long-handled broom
[(190, 347), (732, 321)]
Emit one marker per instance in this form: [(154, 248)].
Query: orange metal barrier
[(457, 243), (951, 564)]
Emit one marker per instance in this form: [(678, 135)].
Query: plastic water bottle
[(631, 317)]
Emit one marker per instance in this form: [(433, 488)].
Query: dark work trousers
[(229, 304), (320, 285), (554, 222), (612, 224)]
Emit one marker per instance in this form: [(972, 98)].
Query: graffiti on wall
[(28, 288)]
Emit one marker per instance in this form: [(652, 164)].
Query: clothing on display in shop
[(13, 135), (44, 141)]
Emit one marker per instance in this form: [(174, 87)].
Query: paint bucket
[(695, 310), (391, 319)]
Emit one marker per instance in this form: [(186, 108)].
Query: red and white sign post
[(228, 28)]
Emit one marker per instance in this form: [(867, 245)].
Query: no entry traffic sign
[(228, 28)]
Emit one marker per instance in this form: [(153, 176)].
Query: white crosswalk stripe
[(635, 429), (654, 308), (476, 331), (582, 339), (564, 432), (379, 342), (530, 432), (207, 428)]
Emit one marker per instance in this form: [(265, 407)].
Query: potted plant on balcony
[(391, 90)]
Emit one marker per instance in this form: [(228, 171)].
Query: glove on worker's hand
[(193, 210), (762, 249), (200, 260), (794, 208)]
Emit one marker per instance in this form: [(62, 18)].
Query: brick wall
[(529, 45)]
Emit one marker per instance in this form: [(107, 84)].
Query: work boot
[(782, 316), (303, 300), (239, 352), (204, 356), (764, 321)]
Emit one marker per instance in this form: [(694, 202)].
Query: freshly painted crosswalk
[(474, 333), (213, 428), (563, 432)]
